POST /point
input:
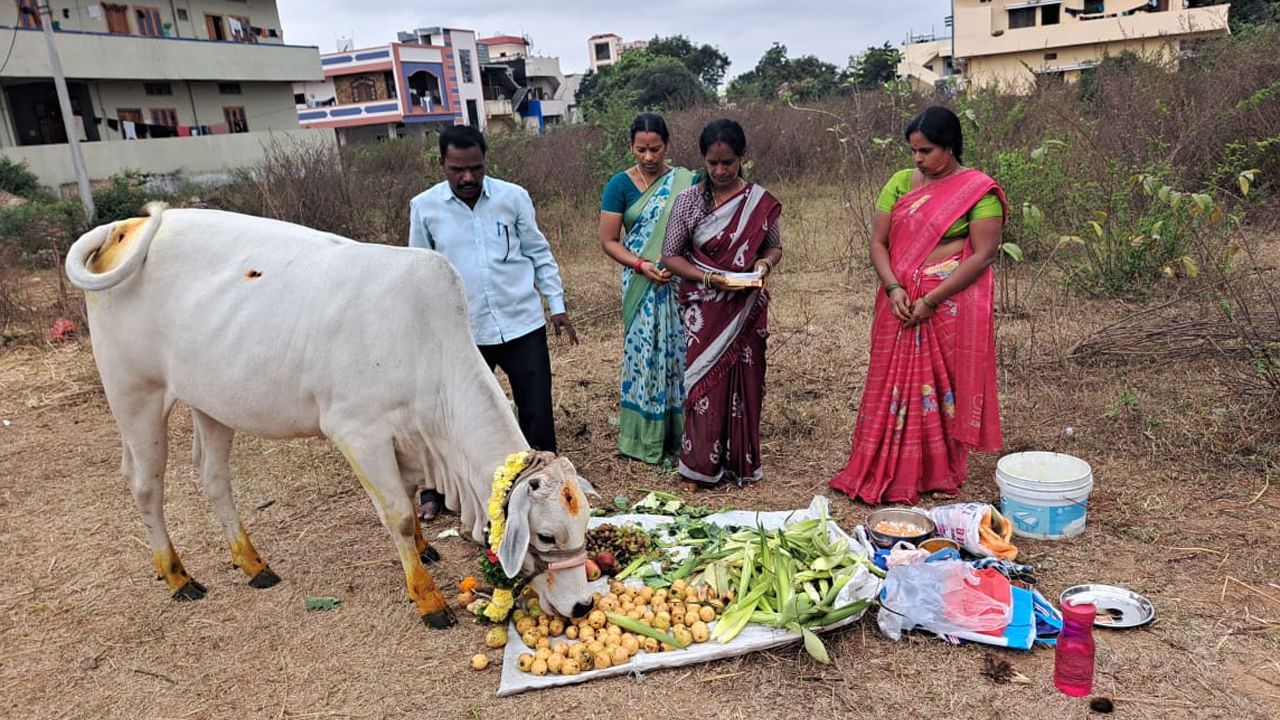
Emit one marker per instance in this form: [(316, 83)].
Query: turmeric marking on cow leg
[(169, 568), (114, 249), (246, 557), (432, 607)]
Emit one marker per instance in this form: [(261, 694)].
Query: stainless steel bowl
[(918, 518)]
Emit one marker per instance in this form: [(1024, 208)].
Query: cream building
[(177, 87), (927, 63), (605, 49), (1012, 43)]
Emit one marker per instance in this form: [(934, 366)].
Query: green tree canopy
[(641, 80), (776, 75), (705, 61), (671, 73), (873, 69)]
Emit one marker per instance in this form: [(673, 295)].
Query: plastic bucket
[(1045, 495)]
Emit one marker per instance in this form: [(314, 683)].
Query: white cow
[(282, 331)]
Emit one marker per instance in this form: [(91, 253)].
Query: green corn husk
[(635, 626)]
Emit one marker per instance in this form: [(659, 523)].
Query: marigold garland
[(503, 593)]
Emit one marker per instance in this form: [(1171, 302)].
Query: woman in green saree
[(633, 223)]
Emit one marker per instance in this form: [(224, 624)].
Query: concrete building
[(522, 90), (1013, 43), (927, 63), (606, 49), (396, 90), (466, 62), (188, 87)]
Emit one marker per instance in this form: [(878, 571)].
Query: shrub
[(122, 197), (17, 179), (41, 232)]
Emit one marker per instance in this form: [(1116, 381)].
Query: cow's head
[(545, 537)]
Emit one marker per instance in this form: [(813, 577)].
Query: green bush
[(122, 197), (38, 230), (16, 178)]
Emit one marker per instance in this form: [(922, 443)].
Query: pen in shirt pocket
[(506, 230)]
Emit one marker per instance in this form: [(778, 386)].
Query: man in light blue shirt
[(487, 229)]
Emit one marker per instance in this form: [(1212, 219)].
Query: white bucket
[(1044, 494)]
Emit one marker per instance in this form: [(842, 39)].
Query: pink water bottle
[(1073, 659)]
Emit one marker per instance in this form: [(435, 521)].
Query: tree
[(776, 75), (873, 69), (671, 73), (705, 61), (1245, 13), (641, 80)]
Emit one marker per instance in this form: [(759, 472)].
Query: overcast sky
[(742, 29)]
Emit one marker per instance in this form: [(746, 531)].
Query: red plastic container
[(1073, 659)]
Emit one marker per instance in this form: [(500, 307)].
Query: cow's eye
[(546, 539)]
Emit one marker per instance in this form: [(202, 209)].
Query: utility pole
[(68, 120)]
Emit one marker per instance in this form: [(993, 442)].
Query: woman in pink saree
[(930, 395), (722, 227)]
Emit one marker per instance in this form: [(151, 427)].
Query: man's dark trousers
[(527, 364)]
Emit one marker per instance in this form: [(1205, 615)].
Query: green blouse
[(900, 184)]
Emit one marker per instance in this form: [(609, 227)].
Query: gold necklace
[(647, 181), (722, 200)]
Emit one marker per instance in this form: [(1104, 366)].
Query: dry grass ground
[(1183, 511)]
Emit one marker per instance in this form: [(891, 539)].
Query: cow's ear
[(586, 487), (515, 539)]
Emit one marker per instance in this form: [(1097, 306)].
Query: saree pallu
[(726, 332), (651, 418), (930, 395)]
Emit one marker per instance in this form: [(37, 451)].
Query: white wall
[(189, 156)]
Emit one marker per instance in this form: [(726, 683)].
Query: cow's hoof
[(265, 578), (190, 590), (438, 619), (429, 555)]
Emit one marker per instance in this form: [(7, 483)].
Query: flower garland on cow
[(504, 588)]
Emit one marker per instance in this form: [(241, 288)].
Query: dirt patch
[(1183, 511)]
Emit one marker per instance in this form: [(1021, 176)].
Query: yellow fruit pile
[(682, 613)]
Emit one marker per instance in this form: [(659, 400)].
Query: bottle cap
[(1079, 610)]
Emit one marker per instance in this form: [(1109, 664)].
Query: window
[(182, 14), (602, 51), (29, 14), (148, 20), (228, 88), (164, 116), (157, 88), (464, 61), (1022, 18), (299, 99), (1050, 14), (1051, 56), (117, 18), (236, 121)]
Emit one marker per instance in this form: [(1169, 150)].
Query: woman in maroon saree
[(722, 227), (930, 395)]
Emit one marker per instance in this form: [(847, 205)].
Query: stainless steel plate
[(1117, 607)]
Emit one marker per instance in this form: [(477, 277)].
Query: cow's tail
[(83, 250)]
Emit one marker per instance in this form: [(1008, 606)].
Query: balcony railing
[(104, 56)]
